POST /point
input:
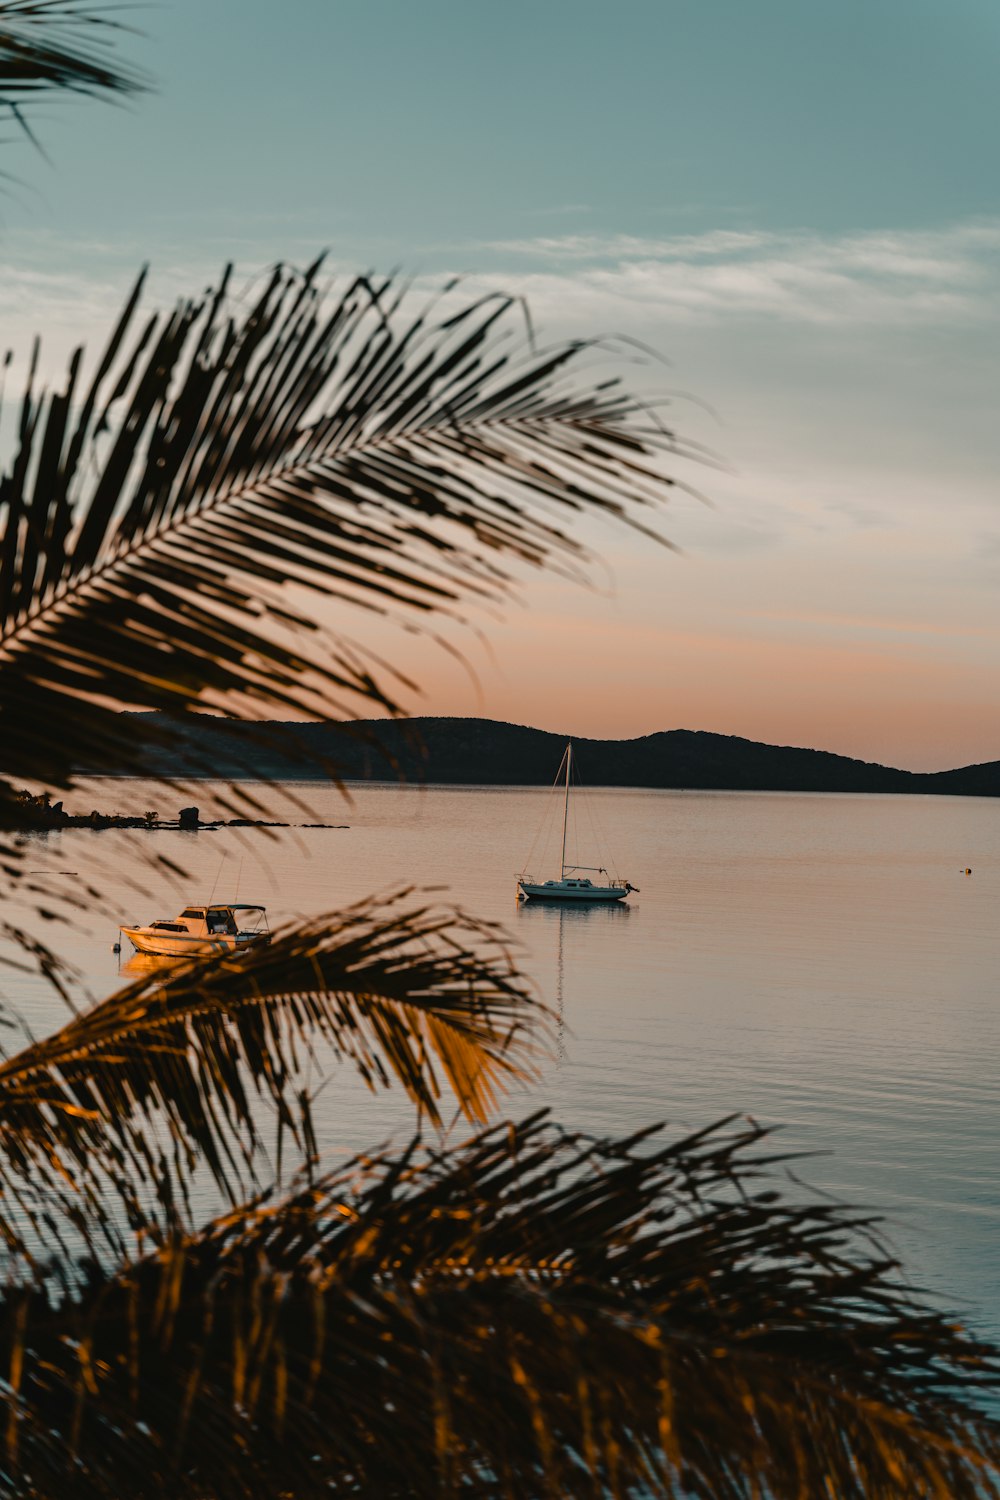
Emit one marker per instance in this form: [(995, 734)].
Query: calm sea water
[(818, 962)]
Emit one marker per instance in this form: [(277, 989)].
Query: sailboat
[(574, 883)]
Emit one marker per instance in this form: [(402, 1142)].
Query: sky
[(796, 203)]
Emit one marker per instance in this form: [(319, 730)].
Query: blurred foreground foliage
[(528, 1312)]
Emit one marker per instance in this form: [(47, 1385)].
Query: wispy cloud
[(617, 247), (946, 274)]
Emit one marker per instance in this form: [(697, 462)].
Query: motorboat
[(574, 883), (224, 927)]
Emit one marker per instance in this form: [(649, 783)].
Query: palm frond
[(167, 529), (57, 47), (170, 1072), (535, 1313)]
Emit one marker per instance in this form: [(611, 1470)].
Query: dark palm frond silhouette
[(633, 1330), (103, 1123), (160, 523), (533, 1313), (59, 46)]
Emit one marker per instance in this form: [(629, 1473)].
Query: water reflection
[(567, 919), (592, 912), (140, 965), (810, 960)]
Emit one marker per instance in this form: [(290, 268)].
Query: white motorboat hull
[(560, 890), (202, 931), (189, 945)]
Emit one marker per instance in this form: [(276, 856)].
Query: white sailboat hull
[(561, 890), (572, 887)]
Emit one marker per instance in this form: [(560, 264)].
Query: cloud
[(931, 276), (621, 247), (946, 277)]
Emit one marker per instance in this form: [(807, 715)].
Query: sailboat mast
[(569, 757)]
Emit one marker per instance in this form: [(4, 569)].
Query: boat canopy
[(199, 911)]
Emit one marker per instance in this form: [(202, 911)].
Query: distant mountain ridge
[(459, 751)]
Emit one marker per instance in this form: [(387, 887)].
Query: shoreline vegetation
[(487, 752), (39, 814), (438, 751), (471, 752)]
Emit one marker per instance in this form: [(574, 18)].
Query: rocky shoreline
[(39, 814)]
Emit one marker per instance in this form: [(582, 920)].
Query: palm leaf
[(59, 46), (171, 1071), (534, 1313), (168, 528)]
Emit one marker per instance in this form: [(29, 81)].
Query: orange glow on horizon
[(874, 700)]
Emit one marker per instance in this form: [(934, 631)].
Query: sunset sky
[(799, 204)]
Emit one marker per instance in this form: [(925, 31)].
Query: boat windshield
[(220, 919), (247, 916)]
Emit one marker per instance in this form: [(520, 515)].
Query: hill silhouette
[(465, 751)]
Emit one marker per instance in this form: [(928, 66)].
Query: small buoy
[(968, 871)]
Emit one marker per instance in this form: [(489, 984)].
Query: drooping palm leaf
[(171, 1071), (173, 530), (59, 46), (534, 1313)]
